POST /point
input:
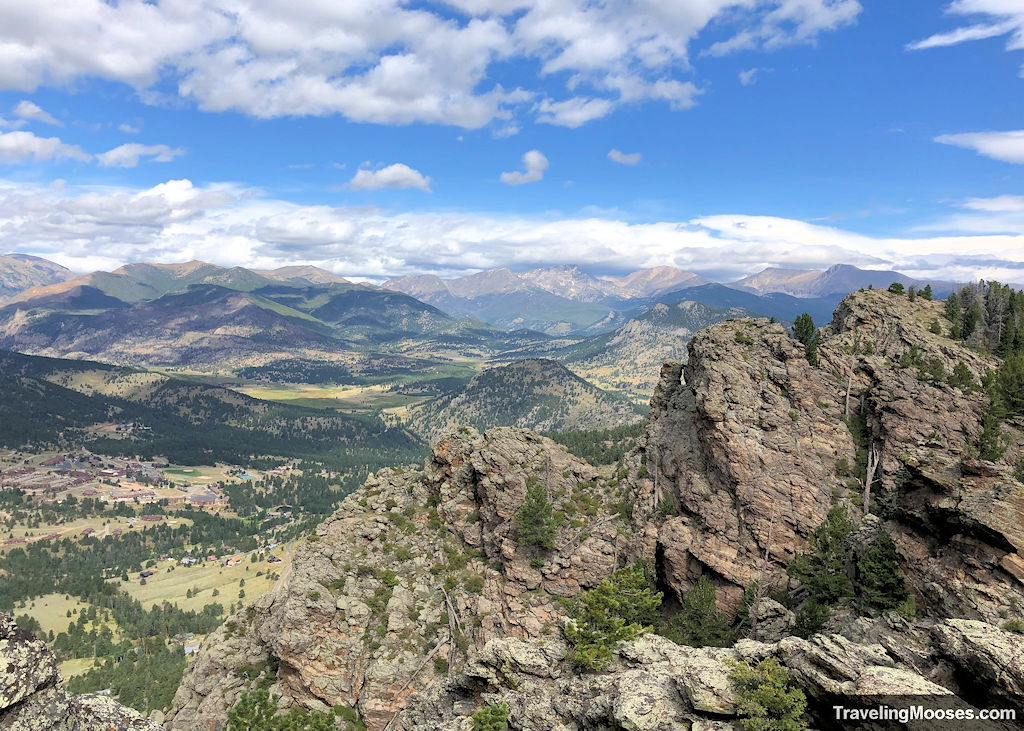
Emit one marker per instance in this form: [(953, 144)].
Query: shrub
[(441, 665), (491, 718), (1014, 625), (935, 327), (618, 609), (766, 699)]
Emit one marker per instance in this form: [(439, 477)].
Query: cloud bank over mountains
[(87, 229)]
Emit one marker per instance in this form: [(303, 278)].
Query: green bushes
[(831, 572), (805, 331), (257, 711), (766, 699), (491, 718)]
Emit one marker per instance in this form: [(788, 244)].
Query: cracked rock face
[(418, 565), (748, 443), (32, 698)]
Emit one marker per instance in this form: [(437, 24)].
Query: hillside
[(19, 272), (537, 394), (70, 402), (629, 359), (433, 600)]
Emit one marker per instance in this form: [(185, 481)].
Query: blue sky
[(380, 138)]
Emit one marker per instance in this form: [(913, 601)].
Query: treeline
[(145, 677), (988, 315), (601, 446)]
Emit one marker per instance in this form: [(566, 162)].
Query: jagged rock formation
[(33, 699), (418, 565), (747, 449), (748, 442)]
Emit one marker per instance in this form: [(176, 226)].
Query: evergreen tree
[(896, 288), (535, 520), (766, 698), (807, 334), (954, 313), (618, 609), (879, 586), (699, 623), (823, 571), (926, 293), (491, 718)]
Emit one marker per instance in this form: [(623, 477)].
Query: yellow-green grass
[(80, 666), (75, 528), (355, 398), (51, 611), (173, 586)]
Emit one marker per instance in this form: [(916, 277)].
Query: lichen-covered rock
[(32, 699)]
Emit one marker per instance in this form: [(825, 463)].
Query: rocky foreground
[(417, 604), (32, 698)]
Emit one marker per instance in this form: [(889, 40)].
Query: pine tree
[(926, 293), (879, 585), (699, 623), (823, 571), (896, 288), (807, 334), (535, 520), (618, 609)]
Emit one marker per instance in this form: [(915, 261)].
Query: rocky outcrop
[(654, 684), (33, 699), (742, 442), (751, 446), (413, 572)]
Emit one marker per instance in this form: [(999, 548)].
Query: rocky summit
[(424, 601), (32, 698)]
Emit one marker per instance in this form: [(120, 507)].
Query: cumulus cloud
[(534, 165), (29, 110), (398, 176), (129, 129), (128, 155), (623, 158), (394, 62), (20, 146), (1006, 146), (86, 228)]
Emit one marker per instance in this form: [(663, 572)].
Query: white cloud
[(397, 176), (989, 19), (85, 228), (1006, 146), (623, 158), (129, 129), (998, 204), (534, 165), (12, 123), (20, 146), (128, 155), (573, 112), (394, 62), (749, 77), (29, 110)]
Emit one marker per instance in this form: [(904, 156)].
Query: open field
[(202, 579), (102, 527), (50, 610), (329, 396), (80, 666)]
